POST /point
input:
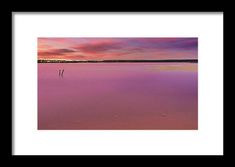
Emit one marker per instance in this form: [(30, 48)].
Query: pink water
[(125, 96)]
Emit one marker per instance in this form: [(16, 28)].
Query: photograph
[(117, 83)]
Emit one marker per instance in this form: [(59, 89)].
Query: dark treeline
[(119, 61)]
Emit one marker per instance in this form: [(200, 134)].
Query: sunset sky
[(117, 48)]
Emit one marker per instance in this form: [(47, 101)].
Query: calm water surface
[(158, 96)]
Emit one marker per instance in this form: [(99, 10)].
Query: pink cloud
[(117, 48)]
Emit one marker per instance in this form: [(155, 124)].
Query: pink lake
[(118, 96)]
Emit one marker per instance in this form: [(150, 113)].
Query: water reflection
[(118, 96)]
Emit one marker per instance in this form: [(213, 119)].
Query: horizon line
[(119, 61)]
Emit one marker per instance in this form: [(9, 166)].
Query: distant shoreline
[(121, 61)]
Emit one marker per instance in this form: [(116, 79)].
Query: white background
[(208, 139)]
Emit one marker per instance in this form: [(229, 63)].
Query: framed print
[(118, 83)]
